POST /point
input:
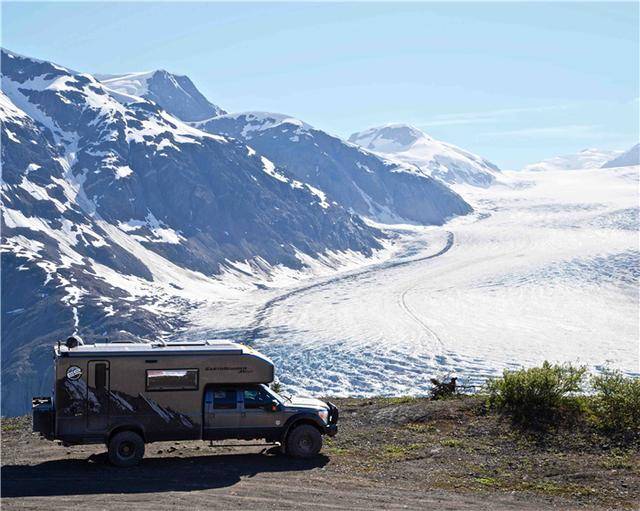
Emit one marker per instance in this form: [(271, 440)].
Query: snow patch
[(132, 84), (11, 136), (124, 171), (320, 194), (270, 168), (161, 233)]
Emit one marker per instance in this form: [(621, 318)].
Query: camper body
[(104, 393)]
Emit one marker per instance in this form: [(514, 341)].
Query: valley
[(136, 209)]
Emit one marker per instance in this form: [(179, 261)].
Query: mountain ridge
[(364, 182), (625, 159)]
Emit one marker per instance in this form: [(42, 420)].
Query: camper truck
[(126, 395)]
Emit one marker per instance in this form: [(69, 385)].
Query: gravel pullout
[(390, 453)]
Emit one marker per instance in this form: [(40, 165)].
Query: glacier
[(547, 268)]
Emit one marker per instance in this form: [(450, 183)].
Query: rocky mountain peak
[(408, 145), (175, 93)]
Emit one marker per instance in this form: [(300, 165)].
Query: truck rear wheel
[(304, 441), (126, 449)]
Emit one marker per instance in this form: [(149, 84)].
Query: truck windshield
[(276, 396), (256, 397)]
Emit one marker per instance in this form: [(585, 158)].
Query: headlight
[(324, 415)]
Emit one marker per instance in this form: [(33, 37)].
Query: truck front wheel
[(304, 441), (126, 449)]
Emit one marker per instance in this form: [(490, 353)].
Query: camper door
[(97, 395)]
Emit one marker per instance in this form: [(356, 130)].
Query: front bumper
[(43, 416), (332, 426)]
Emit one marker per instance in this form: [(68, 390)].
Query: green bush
[(553, 394), (276, 386), (615, 404), (538, 396)]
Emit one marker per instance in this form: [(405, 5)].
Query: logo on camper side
[(239, 369), (74, 373)]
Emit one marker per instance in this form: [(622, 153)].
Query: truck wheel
[(126, 449), (304, 441)]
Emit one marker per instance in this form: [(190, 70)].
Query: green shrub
[(615, 404), (539, 396), (276, 386)]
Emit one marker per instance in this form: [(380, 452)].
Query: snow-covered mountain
[(409, 145), (117, 215), (586, 159), (626, 159), (174, 93), (359, 180)]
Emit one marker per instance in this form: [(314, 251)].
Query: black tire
[(304, 441), (126, 449)]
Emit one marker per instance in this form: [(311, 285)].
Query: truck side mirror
[(274, 406)]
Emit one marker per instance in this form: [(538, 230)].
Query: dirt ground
[(396, 453)]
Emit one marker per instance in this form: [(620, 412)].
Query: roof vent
[(74, 341)]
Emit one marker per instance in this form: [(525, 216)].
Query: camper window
[(172, 379), (101, 376)]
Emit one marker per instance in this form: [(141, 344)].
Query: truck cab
[(257, 412), (128, 395)]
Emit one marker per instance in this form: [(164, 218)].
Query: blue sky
[(514, 82)]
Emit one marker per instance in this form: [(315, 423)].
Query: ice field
[(547, 268)]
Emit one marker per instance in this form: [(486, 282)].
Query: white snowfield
[(546, 269), (133, 84), (586, 159), (261, 121)]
